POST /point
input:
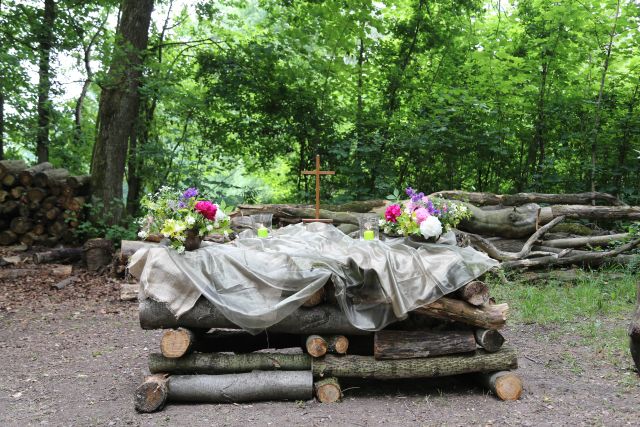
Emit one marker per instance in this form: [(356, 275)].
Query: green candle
[(263, 232), (368, 235)]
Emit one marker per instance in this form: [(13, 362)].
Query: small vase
[(193, 240)]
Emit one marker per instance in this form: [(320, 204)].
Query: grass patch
[(592, 294)]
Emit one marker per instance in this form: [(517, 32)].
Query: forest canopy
[(237, 97)]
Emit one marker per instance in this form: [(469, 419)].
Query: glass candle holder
[(262, 225), (369, 227)]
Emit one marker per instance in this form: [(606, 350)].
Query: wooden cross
[(317, 172)]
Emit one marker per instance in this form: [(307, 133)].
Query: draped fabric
[(256, 283)]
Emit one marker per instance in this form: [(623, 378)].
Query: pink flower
[(207, 209), (392, 213), (421, 214)]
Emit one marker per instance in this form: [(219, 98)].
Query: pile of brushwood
[(524, 230)]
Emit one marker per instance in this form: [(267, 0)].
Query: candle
[(368, 235), (263, 232)]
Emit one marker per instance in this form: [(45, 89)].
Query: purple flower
[(181, 205), (189, 193)]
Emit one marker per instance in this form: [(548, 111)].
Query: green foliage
[(98, 225)]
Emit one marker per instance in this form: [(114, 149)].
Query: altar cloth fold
[(256, 283)]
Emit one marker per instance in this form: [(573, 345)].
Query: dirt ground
[(74, 357)]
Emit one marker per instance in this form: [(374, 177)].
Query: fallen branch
[(561, 259), (495, 253), (576, 242)]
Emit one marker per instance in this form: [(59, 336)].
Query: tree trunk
[(118, 109), (368, 367), (251, 387), (222, 363), (413, 344), (488, 316), (634, 333), (596, 121), (324, 319), (484, 199), (1, 124), (576, 242), (45, 43)]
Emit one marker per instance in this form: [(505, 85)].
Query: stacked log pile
[(39, 204), (206, 358)]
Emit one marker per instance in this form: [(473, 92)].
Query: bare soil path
[(74, 357)]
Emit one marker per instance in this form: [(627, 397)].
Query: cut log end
[(176, 343), (315, 299), (152, 394), (316, 346), (504, 384), (489, 339), (328, 390), (338, 344)]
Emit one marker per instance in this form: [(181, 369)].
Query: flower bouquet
[(182, 217), (422, 216)]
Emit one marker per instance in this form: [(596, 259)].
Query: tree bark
[(487, 316), (255, 386), (324, 319), (45, 43), (413, 344), (1, 123), (475, 293), (576, 242), (118, 109), (221, 363), (368, 367)]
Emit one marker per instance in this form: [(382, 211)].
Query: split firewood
[(489, 339), (414, 344), (26, 176), (153, 394), (483, 199), (504, 384), (11, 166), (634, 332), (328, 390)]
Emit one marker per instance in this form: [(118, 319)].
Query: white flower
[(190, 220), (381, 223), (209, 227), (216, 224), (180, 249), (143, 234), (220, 215), (431, 227)]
